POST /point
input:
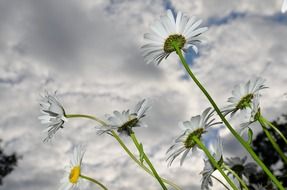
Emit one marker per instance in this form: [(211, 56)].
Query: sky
[(89, 52)]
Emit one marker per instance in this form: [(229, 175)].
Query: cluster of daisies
[(244, 97), (169, 34)]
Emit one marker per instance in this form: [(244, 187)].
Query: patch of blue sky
[(278, 17), (168, 5), (233, 15)]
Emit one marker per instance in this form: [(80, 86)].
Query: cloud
[(90, 52)]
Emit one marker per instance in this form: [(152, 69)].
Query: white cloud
[(90, 53)]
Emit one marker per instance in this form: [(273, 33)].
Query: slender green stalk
[(220, 182), (236, 176), (275, 129), (234, 133), (94, 181), (132, 156), (137, 144), (85, 116), (213, 161), (272, 141)]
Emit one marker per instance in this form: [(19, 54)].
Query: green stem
[(236, 176), (114, 134), (94, 181), (271, 139), (137, 144), (275, 129), (213, 161), (138, 162), (234, 133), (220, 182), (85, 116)]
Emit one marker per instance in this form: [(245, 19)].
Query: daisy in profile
[(254, 114), (54, 115), (217, 153), (72, 179), (170, 31), (124, 121), (243, 95), (284, 6), (197, 126)]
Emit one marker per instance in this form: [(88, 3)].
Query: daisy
[(254, 115), (72, 179), (284, 6), (243, 94), (54, 115), (240, 167), (182, 31), (124, 121), (258, 187), (197, 126), (209, 168)]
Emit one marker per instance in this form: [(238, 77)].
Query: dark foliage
[(7, 163)]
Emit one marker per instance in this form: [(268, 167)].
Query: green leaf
[(250, 135), (141, 151)]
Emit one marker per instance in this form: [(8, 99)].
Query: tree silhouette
[(7, 163)]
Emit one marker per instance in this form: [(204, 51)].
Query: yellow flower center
[(75, 174)]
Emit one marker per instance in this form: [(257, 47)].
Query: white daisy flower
[(240, 167), (254, 114), (243, 94), (258, 187), (197, 126), (72, 179), (53, 114), (284, 6), (181, 31), (124, 121), (217, 153)]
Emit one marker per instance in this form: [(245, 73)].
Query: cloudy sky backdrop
[(89, 52)]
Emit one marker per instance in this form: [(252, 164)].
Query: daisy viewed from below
[(54, 115), (124, 121), (197, 126), (170, 31), (72, 179), (217, 153), (240, 167), (243, 95)]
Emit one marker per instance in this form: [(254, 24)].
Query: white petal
[(178, 21), (159, 29), (195, 49), (170, 16), (154, 38), (192, 27), (184, 156), (188, 25), (284, 6), (196, 32)]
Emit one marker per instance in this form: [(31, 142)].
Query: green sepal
[(141, 151), (220, 162), (250, 136)]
